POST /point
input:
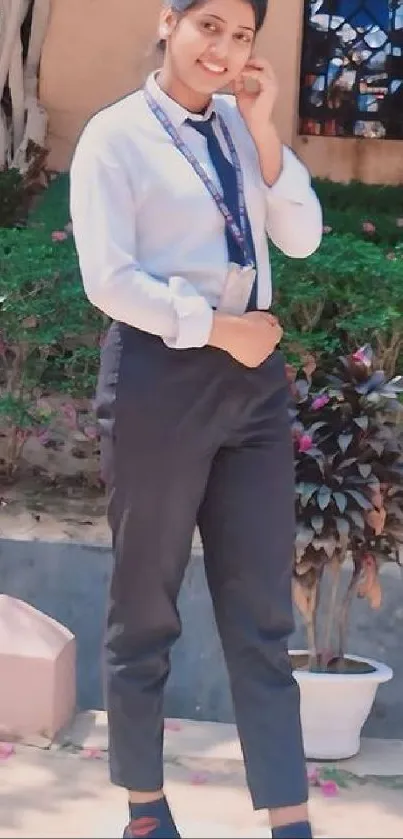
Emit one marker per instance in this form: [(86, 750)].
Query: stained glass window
[(352, 69)]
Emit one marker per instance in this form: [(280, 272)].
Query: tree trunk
[(28, 122), (4, 139), (12, 13), (37, 122), (16, 85), (345, 614)]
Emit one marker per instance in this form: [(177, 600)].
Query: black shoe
[(151, 821)]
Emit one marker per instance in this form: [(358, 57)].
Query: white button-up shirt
[(150, 239)]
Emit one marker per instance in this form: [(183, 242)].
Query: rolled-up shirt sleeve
[(294, 220), (103, 214)]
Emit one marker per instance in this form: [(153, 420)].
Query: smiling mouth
[(213, 68)]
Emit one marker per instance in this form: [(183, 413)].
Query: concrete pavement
[(62, 790)]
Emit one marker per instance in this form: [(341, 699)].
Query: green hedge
[(346, 294), (347, 208), (50, 333), (51, 209), (376, 200), (14, 202), (349, 293)]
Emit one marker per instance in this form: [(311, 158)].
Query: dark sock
[(300, 830), (151, 821)]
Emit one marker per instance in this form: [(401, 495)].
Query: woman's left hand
[(256, 105)]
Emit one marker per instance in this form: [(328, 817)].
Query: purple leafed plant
[(347, 430)]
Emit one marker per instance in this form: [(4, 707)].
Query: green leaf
[(396, 532), (302, 388), (315, 427), (306, 491), (317, 456), (335, 381), (362, 422), (360, 499), (348, 462), (305, 488), (397, 384), (317, 523), (315, 453), (344, 441), (304, 537), (341, 501), (324, 496), (364, 469), (357, 518), (378, 378), (396, 511), (377, 446), (374, 397), (327, 544)]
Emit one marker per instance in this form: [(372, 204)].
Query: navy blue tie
[(228, 180)]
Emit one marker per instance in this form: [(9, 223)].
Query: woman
[(174, 191)]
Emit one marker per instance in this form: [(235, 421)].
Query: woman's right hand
[(249, 338)]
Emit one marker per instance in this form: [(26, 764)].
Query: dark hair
[(259, 8)]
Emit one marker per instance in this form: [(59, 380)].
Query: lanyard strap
[(240, 235)]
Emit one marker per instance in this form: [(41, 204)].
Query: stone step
[(200, 741)]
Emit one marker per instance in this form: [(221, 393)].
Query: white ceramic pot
[(335, 706)]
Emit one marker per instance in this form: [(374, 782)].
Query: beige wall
[(98, 50), (370, 161)]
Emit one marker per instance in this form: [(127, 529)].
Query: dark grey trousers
[(192, 436)]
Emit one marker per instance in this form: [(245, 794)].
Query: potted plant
[(349, 471)]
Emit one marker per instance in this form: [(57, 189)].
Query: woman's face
[(209, 45)]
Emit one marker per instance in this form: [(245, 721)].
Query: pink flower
[(199, 778), (91, 432), (172, 725), (92, 754), (362, 357), (59, 236), (313, 776), (329, 789), (327, 228), (43, 436), (305, 443), (70, 415), (6, 750), (368, 227), (320, 402)]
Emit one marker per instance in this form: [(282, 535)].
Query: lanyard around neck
[(239, 233)]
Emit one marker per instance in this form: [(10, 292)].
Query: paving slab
[(376, 757), (182, 737), (67, 795)]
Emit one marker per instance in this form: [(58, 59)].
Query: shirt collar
[(176, 113)]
